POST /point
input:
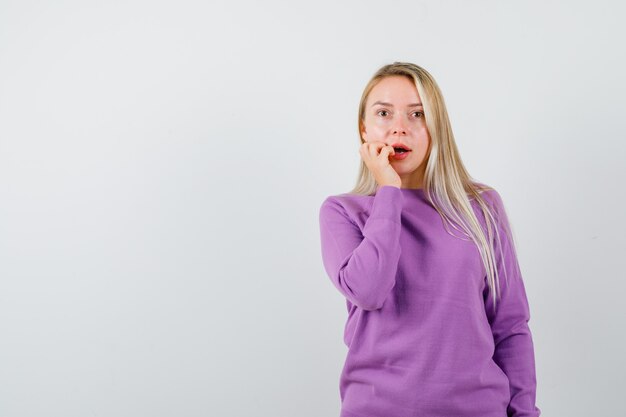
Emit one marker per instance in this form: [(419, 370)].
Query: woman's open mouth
[(401, 155), (401, 151)]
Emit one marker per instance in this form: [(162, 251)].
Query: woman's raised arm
[(363, 265)]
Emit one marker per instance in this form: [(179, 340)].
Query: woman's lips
[(400, 155)]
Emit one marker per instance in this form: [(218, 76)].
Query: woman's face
[(394, 115)]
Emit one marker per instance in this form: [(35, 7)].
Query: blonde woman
[(424, 255)]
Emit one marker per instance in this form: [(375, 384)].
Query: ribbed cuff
[(388, 202)]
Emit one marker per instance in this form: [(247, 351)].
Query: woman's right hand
[(376, 157)]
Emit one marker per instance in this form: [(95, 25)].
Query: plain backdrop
[(162, 165)]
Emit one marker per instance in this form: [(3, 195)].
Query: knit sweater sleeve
[(362, 265), (514, 351)]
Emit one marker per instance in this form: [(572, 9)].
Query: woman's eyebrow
[(391, 105)]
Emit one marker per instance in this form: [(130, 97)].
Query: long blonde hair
[(447, 184)]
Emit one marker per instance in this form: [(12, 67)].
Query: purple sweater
[(422, 337)]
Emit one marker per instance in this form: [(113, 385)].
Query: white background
[(162, 165)]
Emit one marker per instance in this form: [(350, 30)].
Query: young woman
[(424, 255)]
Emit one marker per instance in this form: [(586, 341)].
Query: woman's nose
[(398, 128)]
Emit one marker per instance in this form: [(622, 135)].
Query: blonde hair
[(447, 184)]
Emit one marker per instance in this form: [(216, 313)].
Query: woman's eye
[(418, 112), (382, 111)]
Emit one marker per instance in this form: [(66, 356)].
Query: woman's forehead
[(394, 91)]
